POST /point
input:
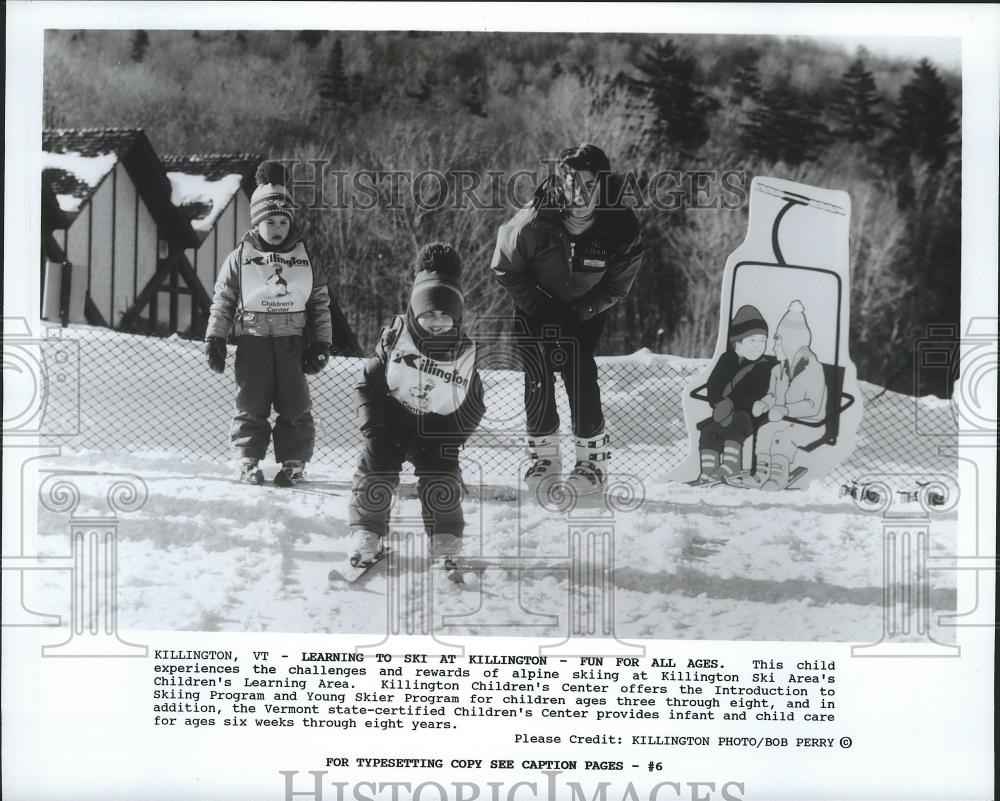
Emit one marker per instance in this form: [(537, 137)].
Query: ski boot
[(589, 475), (709, 463), (366, 551), (446, 554), (546, 465), (753, 480), (731, 463), (777, 477), (291, 473), (250, 472)]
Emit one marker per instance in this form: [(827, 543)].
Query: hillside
[(887, 131)]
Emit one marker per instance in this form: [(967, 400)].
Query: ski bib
[(275, 282), (423, 385)]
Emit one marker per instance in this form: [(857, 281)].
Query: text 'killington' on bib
[(426, 385), (275, 282)]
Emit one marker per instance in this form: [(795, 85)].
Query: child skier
[(272, 296), (797, 390), (420, 399), (739, 378)]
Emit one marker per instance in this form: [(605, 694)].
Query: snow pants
[(566, 347), (269, 373), (714, 435), (782, 438), (439, 484)]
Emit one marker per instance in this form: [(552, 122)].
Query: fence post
[(65, 285)]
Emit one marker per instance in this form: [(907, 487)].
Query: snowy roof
[(203, 185), (76, 160)]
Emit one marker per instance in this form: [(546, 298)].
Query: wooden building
[(118, 229), (133, 241)]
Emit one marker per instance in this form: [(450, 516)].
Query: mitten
[(775, 413), (315, 357), (215, 349), (723, 412)]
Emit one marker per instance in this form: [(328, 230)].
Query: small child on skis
[(797, 389), (272, 295), (739, 379), (420, 399)]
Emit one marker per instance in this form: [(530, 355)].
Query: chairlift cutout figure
[(780, 416)]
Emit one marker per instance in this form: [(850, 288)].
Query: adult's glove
[(215, 349), (315, 357)]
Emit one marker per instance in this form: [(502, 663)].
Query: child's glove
[(374, 431), (315, 357), (215, 349), (775, 413)]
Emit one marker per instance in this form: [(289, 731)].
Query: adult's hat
[(585, 157)]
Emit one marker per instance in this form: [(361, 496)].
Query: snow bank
[(206, 553), (187, 188)]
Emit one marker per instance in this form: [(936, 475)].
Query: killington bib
[(425, 385), (275, 282)]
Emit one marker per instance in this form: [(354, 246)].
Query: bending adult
[(566, 259)]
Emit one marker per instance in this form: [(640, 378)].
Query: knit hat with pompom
[(437, 281), (271, 197), (794, 330)]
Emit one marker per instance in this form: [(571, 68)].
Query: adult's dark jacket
[(537, 261)]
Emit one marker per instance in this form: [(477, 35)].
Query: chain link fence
[(107, 391)]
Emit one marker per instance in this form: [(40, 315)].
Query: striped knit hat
[(747, 321), (271, 196)]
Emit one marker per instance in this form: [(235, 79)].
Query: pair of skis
[(740, 480), (453, 569)]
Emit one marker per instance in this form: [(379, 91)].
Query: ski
[(794, 476), (352, 574)]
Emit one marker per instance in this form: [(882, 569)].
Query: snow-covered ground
[(204, 553)]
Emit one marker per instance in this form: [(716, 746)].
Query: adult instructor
[(565, 260)]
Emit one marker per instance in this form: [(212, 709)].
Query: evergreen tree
[(746, 77), (423, 90), (356, 88), (310, 38), (925, 117), (334, 85), (784, 126), (138, 43), (856, 109), (473, 97), (682, 109), (931, 263)]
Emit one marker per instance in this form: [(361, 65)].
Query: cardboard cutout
[(779, 406)]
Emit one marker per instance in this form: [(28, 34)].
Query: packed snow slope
[(205, 553)]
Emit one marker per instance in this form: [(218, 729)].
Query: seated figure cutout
[(773, 415)]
